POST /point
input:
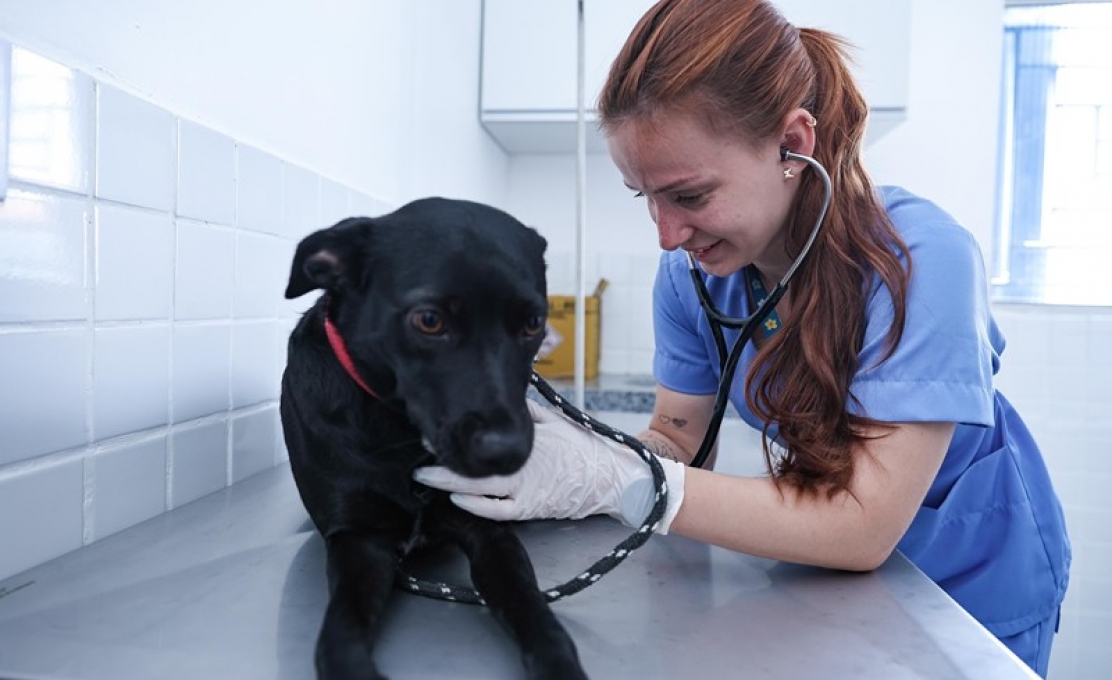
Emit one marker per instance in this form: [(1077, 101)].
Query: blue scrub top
[(991, 530)]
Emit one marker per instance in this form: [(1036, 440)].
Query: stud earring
[(813, 122), (788, 174)]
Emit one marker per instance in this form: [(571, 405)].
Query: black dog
[(422, 342)]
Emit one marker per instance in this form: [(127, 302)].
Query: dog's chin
[(479, 466), (471, 447)]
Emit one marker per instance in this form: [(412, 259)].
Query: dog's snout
[(499, 452), (484, 444)]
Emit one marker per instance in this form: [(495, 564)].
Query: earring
[(813, 122), (788, 174)]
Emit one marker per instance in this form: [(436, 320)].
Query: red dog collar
[(341, 352)]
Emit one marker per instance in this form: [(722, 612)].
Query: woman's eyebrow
[(671, 186)]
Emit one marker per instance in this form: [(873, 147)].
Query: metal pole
[(581, 219)]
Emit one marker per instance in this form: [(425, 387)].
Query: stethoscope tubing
[(748, 325)]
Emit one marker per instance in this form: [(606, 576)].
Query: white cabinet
[(529, 79), (530, 67), (528, 96), (879, 31), (529, 56)]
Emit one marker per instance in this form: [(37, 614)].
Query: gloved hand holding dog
[(572, 473)]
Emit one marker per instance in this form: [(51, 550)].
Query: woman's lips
[(705, 253)]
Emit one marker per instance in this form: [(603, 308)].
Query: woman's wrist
[(638, 496), (663, 447)]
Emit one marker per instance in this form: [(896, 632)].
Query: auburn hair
[(741, 68)]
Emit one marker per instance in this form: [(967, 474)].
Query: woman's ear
[(799, 132)]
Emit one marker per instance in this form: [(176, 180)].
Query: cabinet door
[(530, 61), (530, 50), (879, 31), (530, 47), (606, 25), (529, 55)]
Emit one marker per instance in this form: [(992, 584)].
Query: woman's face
[(719, 198)]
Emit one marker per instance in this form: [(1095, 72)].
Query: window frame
[(1020, 253)]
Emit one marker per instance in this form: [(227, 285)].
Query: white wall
[(449, 153), (946, 150), (357, 91)]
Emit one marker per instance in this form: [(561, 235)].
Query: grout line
[(175, 172), (92, 249)]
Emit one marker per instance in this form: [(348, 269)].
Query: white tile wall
[(131, 379), (199, 460), (258, 182), (134, 263), (48, 144), (300, 201), (255, 362), (254, 442), (1057, 370), (205, 271), (135, 150), (142, 326), (206, 175), (260, 259), (44, 269), (335, 202), (129, 485), (626, 341), (43, 395), (203, 352), (41, 512)]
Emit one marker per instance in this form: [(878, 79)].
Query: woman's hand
[(571, 473)]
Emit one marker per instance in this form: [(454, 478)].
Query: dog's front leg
[(361, 570), (503, 574)]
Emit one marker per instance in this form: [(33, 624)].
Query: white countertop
[(233, 586)]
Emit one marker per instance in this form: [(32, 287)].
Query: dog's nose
[(498, 452)]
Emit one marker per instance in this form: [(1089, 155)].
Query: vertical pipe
[(581, 217)]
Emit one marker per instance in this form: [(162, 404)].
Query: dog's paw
[(559, 663), (349, 666), (570, 671)]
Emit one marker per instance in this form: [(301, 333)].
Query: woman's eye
[(639, 194), (533, 327), (687, 199), (428, 322)]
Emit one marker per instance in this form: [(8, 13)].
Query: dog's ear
[(329, 258), (539, 241)]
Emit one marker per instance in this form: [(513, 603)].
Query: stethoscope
[(717, 320)]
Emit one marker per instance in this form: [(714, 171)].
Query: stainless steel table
[(233, 586)]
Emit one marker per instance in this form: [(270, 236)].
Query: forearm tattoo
[(677, 423), (661, 447)]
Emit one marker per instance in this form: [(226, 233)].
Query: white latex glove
[(571, 473)]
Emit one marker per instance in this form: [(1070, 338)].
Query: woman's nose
[(670, 228)]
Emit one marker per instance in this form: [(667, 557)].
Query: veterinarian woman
[(874, 379)]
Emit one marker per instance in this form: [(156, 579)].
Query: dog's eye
[(533, 327), (428, 322)]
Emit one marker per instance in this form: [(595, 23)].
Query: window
[(44, 137), (1054, 237), (5, 83)]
